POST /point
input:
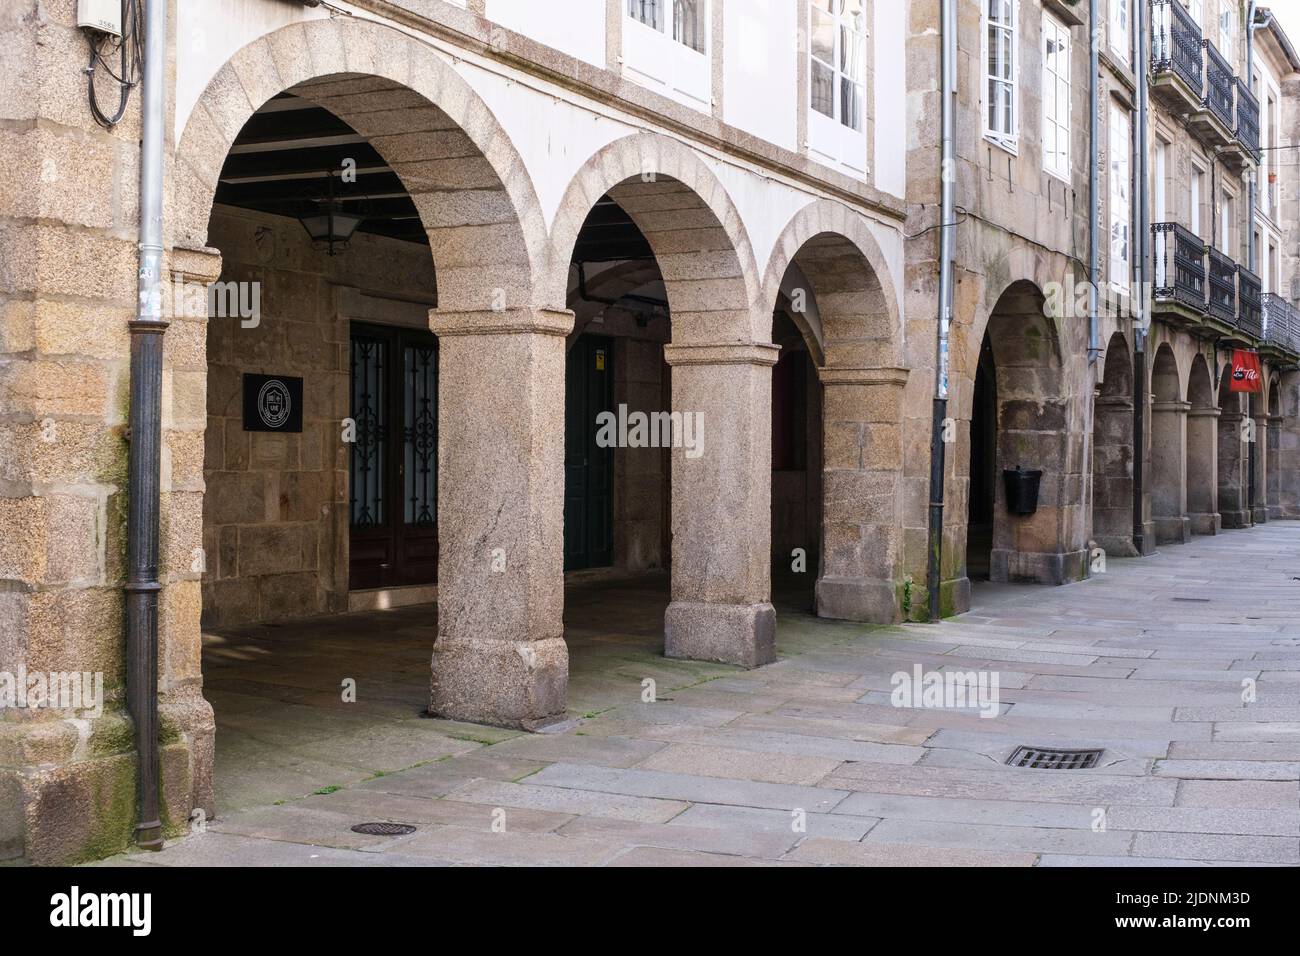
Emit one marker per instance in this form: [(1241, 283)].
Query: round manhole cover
[(384, 829)]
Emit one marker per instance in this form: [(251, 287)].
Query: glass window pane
[(649, 12), (851, 96), (420, 436), (823, 37), (851, 54), (823, 89), (366, 471), (688, 23), (854, 15)]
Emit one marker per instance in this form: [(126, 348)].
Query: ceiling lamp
[(328, 222)]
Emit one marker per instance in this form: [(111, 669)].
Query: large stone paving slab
[(806, 761)]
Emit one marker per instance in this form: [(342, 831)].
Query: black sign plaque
[(272, 403)]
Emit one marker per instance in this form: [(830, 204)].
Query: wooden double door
[(588, 468), (393, 463)]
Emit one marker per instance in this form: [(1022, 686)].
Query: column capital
[(1205, 411), (502, 322), (1180, 408), (201, 265), (722, 353), (841, 375)]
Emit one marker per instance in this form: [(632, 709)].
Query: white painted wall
[(575, 27), (891, 98), (759, 69), (208, 34), (556, 131)]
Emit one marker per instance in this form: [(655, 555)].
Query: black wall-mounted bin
[(1022, 489)]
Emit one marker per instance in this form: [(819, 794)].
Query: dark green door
[(588, 469)]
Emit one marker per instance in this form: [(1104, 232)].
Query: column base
[(853, 599), (75, 801), (1147, 545), (1117, 545), (954, 596), (1234, 519), (1006, 566), (743, 634), (1173, 529), (1205, 523), (516, 684), (1259, 514)]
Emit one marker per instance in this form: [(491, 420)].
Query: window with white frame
[(688, 25), (1198, 192), (1121, 207), (837, 50), (1228, 33), (666, 48), (1226, 213), (1000, 68), (1120, 16), (1056, 96), (1196, 9)]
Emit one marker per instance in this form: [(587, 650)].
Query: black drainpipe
[(144, 462), (947, 244), (1141, 325)]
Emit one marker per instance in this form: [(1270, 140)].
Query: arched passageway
[(1168, 450), (1021, 420), (1257, 455), (718, 413), (1202, 450), (1235, 433), (1274, 454), (829, 278), (1112, 453)]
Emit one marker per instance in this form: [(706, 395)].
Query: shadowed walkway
[(805, 761)]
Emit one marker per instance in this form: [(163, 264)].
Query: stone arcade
[(556, 227)]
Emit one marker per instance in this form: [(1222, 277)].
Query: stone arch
[(849, 319), (1026, 420), (693, 229), (835, 251), (1273, 456), (1168, 449), (721, 376), (1202, 449), (474, 195), (500, 655), (1233, 456), (1112, 452)]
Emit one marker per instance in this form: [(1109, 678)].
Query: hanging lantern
[(328, 220)]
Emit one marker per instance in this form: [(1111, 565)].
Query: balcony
[(1250, 317), (1215, 121), (1223, 288), (1281, 325), (1177, 57), (1245, 151), (1178, 292)]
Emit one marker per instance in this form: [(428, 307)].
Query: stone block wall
[(275, 520)]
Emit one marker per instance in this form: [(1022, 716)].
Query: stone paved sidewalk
[(1146, 661)]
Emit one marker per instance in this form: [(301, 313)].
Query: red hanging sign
[(1245, 372)]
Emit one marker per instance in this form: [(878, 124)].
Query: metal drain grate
[(383, 829), (1039, 759)]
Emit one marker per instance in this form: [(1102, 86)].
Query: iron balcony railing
[(1281, 323), (1179, 265), (1219, 83), (1247, 119), (1250, 317), (1223, 287), (1176, 44)]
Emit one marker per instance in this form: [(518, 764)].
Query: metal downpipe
[(144, 465), (1141, 318), (947, 243)]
